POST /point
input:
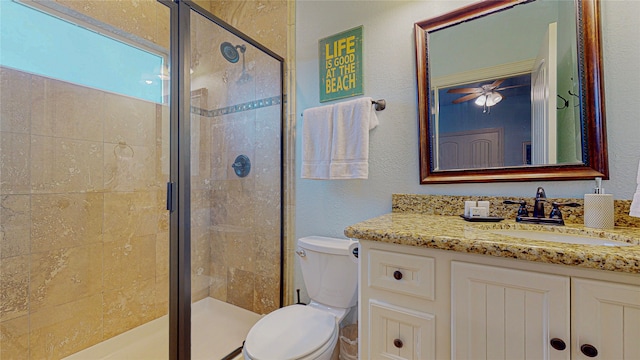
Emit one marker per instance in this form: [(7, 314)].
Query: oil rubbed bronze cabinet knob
[(397, 275), (589, 350), (398, 343), (558, 344)]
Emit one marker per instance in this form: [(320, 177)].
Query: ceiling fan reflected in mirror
[(485, 95)]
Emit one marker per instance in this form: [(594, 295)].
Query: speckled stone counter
[(455, 234)]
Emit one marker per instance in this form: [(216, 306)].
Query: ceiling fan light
[(493, 98), (481, 100)]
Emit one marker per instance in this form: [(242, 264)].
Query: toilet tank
[(330, 274)]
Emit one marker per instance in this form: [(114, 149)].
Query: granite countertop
[(455, 234)]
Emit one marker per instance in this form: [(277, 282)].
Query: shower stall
[(140, 181)]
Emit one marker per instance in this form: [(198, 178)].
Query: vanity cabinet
[(499, 313), (419, 303), (605, 318)]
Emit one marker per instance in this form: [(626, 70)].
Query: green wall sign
[(341, 65)]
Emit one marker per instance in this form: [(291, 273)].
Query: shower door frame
[(179, 187)]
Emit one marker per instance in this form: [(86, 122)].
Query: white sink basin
[(559, 237)]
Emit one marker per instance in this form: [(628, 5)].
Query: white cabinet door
[(499, 313), (399, 333), (605, 320)]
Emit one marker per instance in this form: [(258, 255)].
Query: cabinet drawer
[(402, 273), (399, 333)]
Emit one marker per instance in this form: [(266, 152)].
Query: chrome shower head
[(230, 51)]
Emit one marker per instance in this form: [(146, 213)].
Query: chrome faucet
[(538, 207)]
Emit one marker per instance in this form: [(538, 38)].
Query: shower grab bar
[(380, 105)]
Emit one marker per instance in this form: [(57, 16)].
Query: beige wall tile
[(162, 274), (15, 225), (218, 288), (14, 339), (266, 210), (138, 17), (267, 254), (65, 165), (163, 19), (268, 155), (130, 121), (129, 262), (219, 156), (67, 328), (200, 153), (15, 99), (200, 259), (240, 131), (42, 100), (65, 110), (240, 288), (219, 235), (14, 287), (231, 207), (129, 214), (66, 220), (241, 250), (64, 275), (162, 297), (162, 143), (200, 207), (267, 294), (130, 168), (199, 288), (265, 21), (162, 255), (127, 308), (267, 77), (14, 163)]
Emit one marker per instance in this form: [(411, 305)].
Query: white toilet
[(310, 332)]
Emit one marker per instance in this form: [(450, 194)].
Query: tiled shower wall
[(84, 230)]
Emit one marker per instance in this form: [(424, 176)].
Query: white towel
[(352, 121), (317, 132), (635, 204)]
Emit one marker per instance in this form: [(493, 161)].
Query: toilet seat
[(292, 332)]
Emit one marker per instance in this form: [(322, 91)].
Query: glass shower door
[(236, 185)]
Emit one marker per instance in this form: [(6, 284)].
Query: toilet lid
[(291, 332)]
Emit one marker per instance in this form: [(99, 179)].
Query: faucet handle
[(556, 213), (522, 210)]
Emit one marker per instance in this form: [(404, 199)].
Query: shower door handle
[(170, 196)]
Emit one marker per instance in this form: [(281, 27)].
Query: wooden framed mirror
[(476, 68)]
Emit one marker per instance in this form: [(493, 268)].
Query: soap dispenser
[(598, 208)]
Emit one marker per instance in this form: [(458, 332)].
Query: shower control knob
[(397, 275), (398, 343)]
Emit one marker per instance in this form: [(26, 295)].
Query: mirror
[(511, 90)]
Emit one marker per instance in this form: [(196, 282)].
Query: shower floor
[(217, 328)]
